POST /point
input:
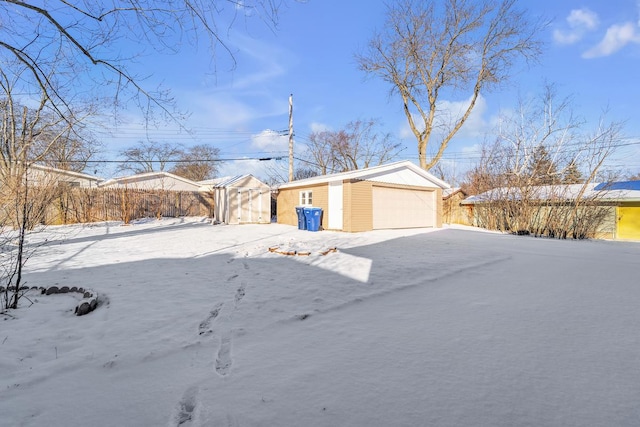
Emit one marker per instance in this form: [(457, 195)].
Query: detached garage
[(396, 195)]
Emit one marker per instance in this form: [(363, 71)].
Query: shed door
[(629, 222), (403, 208), (246, 206), (336, 206)]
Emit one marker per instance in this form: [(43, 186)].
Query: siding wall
[(289, 198), (358, 206), (357, 202)]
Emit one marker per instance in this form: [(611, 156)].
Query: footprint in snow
[(223, 360), (205, 326), (185, 414), (240, 293)]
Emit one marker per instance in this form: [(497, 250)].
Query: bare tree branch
[(427, 49)]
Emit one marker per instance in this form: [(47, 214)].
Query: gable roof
[(450, 192), (147, 176), (403, 172), (229, 181), (66, 172)]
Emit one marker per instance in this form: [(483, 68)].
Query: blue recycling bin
[(302, 221), (313, 216)]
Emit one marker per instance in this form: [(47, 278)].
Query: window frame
[(305, 198)]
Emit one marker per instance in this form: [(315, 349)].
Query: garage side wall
[(289, 198), (358, 206)]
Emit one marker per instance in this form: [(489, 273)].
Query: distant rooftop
[(619, 185)]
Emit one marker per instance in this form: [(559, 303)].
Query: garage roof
[(404, 172)]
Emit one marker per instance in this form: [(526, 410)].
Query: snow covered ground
[(203, 325)]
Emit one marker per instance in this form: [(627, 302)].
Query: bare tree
[(72, 151), (149, 156), (633, 177), (431, 49), (25, 193), (538, 176), (70, 48), (319, 155), (303, 173), (198, 162), (29, 134), (359, 145)]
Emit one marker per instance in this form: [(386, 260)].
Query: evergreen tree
[(542, 169), (572, 175)]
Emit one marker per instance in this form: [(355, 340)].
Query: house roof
[(592, 191), (147, 175), (224, 181), (227, 181), (449, 192), (403, 172), (66, 172), (619, 185)]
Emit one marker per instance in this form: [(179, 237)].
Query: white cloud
[(319, 127), (257, 168), (580, 21), (270, 140), (617, 36), (448, 112), (265, 59), (452, 110), (583, 18)]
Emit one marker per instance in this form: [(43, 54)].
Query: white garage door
[(403, 208)]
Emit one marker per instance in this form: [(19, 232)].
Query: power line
[(236, 159)]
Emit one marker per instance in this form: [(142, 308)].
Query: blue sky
[(591, 52)]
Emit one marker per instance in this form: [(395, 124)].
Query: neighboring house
[(452, 211), (46, 175), (619, 200), (627, 198), (241, 199), (152, 181), (395, 195)]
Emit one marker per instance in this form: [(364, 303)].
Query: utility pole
[(290, 137)]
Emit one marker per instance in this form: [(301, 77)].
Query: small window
[(306, 198)]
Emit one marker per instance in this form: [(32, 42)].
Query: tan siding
[(346, 202), (289, 198), (357, 202), (287, 201), (360, 213), (439, 208)]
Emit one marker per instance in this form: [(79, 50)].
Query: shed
[(241, 199), (395, 195), (152, 181), (453, 211)]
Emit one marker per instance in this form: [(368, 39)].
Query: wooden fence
[(80, 205)]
